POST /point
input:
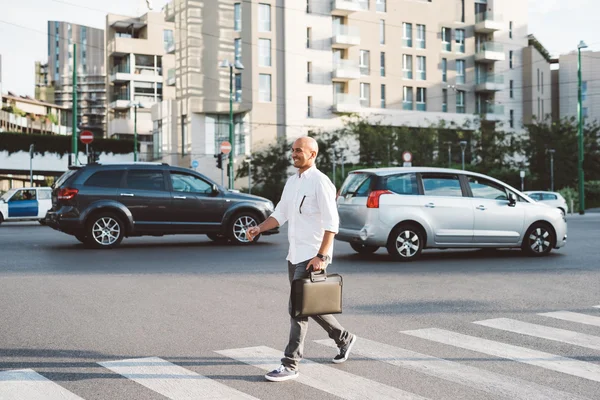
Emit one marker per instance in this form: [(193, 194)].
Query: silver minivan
[(408, 209)]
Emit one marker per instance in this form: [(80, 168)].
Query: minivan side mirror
[(512, 199)]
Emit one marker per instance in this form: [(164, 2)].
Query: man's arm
[(329, 222)]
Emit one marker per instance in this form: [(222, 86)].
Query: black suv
[(101, 204)]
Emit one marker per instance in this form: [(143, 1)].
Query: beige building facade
[(537, 83), (590, 85)]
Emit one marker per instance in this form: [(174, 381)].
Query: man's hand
[(317, 264), (252, 232)]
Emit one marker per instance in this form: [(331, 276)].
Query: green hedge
[(59, 144)]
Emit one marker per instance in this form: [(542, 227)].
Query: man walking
[(308, 204)]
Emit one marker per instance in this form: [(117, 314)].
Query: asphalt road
[(189, 302)]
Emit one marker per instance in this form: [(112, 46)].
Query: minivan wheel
[(539, 240), (238, 226), (363, 248), (104, 231), (406, 243)]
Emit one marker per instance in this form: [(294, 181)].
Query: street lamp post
[(135, 106), (551, 151), (238, 66), (449, 154), (463, 146), (581, 45)]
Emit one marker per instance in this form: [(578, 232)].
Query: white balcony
[(490, 83), (345, 70), (344, 103), (170, 12), (171, 77), (345, 36), (492, 112), (126, 126), (344, 7), (119, 104), (490, 52), (488, 22)]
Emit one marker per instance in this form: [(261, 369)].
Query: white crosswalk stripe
[(543, 332), (25, 384), (524, 355), (573, 317), (487, 381), (327, 379), (172, 381)]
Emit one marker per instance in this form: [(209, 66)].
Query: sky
[(558, 24)]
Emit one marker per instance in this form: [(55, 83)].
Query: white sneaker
[(281, 374)]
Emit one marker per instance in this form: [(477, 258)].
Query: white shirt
[(308, 204)]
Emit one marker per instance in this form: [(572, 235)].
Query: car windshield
[(8, 194)]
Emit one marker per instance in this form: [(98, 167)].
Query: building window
[(460, 102), (381, 31), (364, 62), (237, 43), (543, 113), (510, 30), (421, 36), (237, 17), (264, 18), (444, 100), (308, 37), (380, 6), (309, 111), (264, 52), (461, 10), (460, 72), (460, 40), (308, 6), (446, 39), (365, 94), (168, 40), (539, 107), (309, 72), (407, 66), (421, 68), (421, 99), (407, 98), (512, 119), (444, 70), (264, 87), (510, 59), (238, 87), (382, 105), (382, 64), (407, 34), (511, 86)]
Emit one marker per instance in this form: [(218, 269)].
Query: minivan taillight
[(373, 199), (67, 193)]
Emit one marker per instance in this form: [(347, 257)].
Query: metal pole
[(522, 184), (249, 178), (31, 171), (463, 159), (231, 127), (222, 176), (449, 155), (580, 136), (135, 138), (74, 135)]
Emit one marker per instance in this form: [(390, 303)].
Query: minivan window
[(484, 189), (105, 179), (441, 185), (549, 196), (357, 184), (145, 179), (402, 184)]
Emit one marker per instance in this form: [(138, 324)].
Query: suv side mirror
[(512, 199), (215, 189)]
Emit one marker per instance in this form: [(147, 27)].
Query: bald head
[(307, 143), (304, 152)]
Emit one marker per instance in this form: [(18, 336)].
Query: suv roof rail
[(73, 167), (133, 163)]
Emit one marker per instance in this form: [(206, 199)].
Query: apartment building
[(89, 67), (44, 91), (307, 65), (138, 51), (537, 83)]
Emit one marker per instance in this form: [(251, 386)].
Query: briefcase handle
[(318, 276)]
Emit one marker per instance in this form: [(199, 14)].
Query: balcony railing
[(487, 16), (496, 79), (120, 69), (493, 109), (344, 7), (346, 35), (491, 46)]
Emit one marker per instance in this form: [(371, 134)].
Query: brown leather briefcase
[(319, 294)]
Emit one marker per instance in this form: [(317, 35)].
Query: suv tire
[(539, 240), (104, 230), (363, 248), (239, 223), (403, 240)]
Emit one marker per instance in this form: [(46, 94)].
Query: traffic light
[(219, 158)]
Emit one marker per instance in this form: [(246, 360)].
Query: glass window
[(264, 52), (106, 179), (442, 185), (365, 62), (447, 39), (309, 111), (549, 196), (44, 194), (460, 40), (444, 70), (365, 94), (407, 66), (143, 179), (402, 184), (264, 87), (189, 183), (407, 102), (512, 119), (484, 189), (510, 59), (510, 30), (421, 36), (238, 87), (421, 99), (380, 5), (24, 195), (357, 184), (444, 100), (237, 44), (264, 18), (535, 196), (382, 105), (511, 88), (237, 15), (460, 72), (381, 31), (168, 39), (460, 102), (421, 68), (382, 64), (407, 34)]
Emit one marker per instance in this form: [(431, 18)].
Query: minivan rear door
[(352, 201)]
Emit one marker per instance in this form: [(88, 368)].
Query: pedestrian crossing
[(342, 381)]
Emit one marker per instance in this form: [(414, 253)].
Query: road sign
[(225, 147), (407, 157), (86, 137), (195, 164)]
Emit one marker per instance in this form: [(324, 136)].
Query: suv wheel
[(539, 240), (238, 226), (104, 231), (406, 243), (363, 248)]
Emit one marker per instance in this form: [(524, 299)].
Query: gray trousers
[(299, 326)]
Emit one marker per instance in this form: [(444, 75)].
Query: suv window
[(402, 184), (441, 185), (484, 189), (189, 183), (106, 179), (357, 184), (63, 178), (549, 196), (145, 179)]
